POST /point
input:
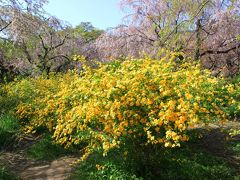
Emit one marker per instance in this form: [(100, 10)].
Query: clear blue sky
[(101, 13)]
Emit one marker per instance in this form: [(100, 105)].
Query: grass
[(110, 167), (192, 163), (46, 150), (186, 163), (5, 174), (9, 129), (236, 147)]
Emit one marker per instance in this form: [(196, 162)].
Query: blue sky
[(101, 13)]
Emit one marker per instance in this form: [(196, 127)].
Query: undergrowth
[(9, 128), (187, 163), (47, 150)]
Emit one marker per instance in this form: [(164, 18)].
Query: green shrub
[(9, 128), (187, 163), (146, 100)]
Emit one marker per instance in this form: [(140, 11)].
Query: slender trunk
[(198, 40)]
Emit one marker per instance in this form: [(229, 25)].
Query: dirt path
[(25, 168), (59, 169), (216, 141), (28, 169)]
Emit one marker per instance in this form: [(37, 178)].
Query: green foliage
[(9, 129), (45, 149), (10, 49), (238, 37), (7, 102), (98, 167), (236, 147), (87, 31), (234, 111), (5, 174), (189, 162)]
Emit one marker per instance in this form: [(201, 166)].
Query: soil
[(216, 140), (29, 169)]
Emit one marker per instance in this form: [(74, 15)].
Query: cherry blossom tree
[(38, 36), (200, 28), (14, 15)]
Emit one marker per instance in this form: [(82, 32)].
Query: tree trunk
[(198, 40)]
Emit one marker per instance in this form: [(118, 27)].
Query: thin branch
[(43, 44), (220, 51), (3, 28), (60, 44), (59, 56)]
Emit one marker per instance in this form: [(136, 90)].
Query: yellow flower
[(188, 96), (99, 167)]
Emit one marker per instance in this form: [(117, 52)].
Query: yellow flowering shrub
[(143, 100)]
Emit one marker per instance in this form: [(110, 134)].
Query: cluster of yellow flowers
[(148, 100), (79, 58)]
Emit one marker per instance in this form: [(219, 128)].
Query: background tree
[(14, 16), (197, 27), (84, 36), (37, 43)]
